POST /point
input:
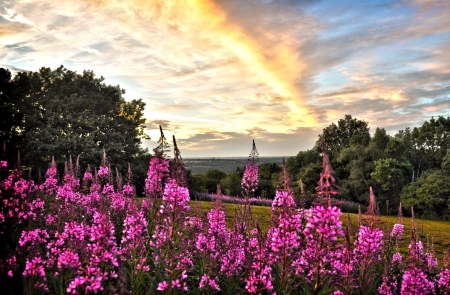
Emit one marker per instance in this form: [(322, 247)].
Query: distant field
[(439, 231), (201, 165)]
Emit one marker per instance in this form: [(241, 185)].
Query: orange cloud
[(206, 25)]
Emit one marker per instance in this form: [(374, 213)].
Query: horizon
[(217, 74)]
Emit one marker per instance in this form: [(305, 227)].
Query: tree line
[(412, 166)]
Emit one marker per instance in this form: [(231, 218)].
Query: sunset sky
[(218, 74)]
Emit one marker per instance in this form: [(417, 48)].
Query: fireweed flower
[(444, 282), (36, 268), (282, 198), (127, 190), (206, 282), (162, 286), (283, 238), (388, 286), (134, 235), (260, 277), (415, 282), (108, 189), (367, 254), (87, 176), (250, 179), (397, 258), (32, 237), (323, 228), (175, 198), (68, 260), (232, 260), (103, 172), (158, 171), (397, 231)]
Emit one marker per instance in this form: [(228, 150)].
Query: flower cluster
[(250, 178), (98, 238), (158, 171)]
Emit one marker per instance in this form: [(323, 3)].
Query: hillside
[(201, 165)]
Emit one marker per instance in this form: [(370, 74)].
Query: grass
[(436, 231)]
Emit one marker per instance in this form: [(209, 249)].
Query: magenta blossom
[(415, 282), (158, 171), (250, 178)]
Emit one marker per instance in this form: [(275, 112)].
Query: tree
[(433, 141), (429, 195), (392, 175), (268, 174), (11, 120), (357, 162), (348, 130), (446, 163), (65, 113), (231, 184), (212, 179)]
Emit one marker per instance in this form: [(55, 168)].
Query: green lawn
[(439, 231)]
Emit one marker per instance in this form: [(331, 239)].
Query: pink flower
[(416, 282), (283, 198), (158, 171), (162, 286), (397, 231), (250, 178), (103, 172), (444, 282)]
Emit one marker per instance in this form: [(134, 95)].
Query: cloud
[(219, 72)]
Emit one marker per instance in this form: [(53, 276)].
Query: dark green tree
[(429, 195), (306, 165), (65, 113), (359, 165), (392, 175), (11, 118), (231, 184), (432, 139), (348, 130), (446, 163), (212, 178)]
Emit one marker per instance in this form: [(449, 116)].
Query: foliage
[(392, 175), (347, 131), (429, 195), (63, 113), (432, 139)]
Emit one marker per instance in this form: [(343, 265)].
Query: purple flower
[(250, 178), (444, 282), (388, 286), (206, 281), (415, 282), (282, 198), (162, 286), (103, 172), (158, 171), (397, 231)]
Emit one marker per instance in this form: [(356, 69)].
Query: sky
[(217, 74)]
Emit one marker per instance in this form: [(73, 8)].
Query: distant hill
[(201, 165)]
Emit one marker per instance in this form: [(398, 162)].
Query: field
[(96, 236), (227, 165), (437, 232)]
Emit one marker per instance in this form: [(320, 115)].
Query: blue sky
[(218, 74)]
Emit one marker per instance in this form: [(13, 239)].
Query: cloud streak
[(276, 71)]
